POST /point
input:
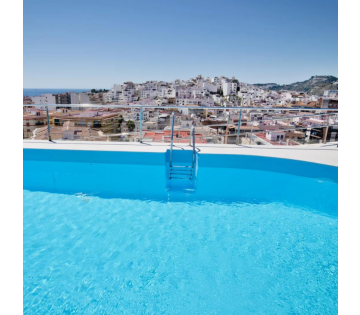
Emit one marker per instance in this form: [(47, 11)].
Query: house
[(276, 135)]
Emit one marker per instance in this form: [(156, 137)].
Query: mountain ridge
[(316, 85)]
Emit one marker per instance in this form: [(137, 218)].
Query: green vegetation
[(98, 91), (130, 125), (316, 85), (121, 120)]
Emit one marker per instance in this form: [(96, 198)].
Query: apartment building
[(63, 98), (44, 99), (210, 87), (33, 119), (127, 96), (182, 91), (135, 114), (166, 92), (79, 98), (148, 94), (328, 102), (124, 93), (199, 92), (68, 132), (106, 121), (187, 101), (331, 93), (229, 88), (150, 85), (216, 81)]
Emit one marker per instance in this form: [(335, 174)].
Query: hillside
[(314, 86)]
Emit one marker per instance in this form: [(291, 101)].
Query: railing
[(172, 137), (193, 146), (174, 124)]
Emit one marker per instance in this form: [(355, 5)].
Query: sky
[(95, 44)]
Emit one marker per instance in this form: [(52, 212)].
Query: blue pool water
[(246, 241)]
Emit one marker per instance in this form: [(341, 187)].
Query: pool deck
[(316, 153)]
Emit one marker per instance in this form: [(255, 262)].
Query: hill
[(316, 85)]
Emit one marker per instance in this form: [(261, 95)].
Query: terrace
[(150, 217)]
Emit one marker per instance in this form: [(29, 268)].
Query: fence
[(147, 124)]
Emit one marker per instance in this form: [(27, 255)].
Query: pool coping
[(316, 153)]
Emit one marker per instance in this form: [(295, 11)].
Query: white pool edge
[(316, 153)]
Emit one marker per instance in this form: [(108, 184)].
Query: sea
[(38, 92)]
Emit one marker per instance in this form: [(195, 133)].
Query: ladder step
[(183, 171), (181, 166), (178, 174), (171, 177)]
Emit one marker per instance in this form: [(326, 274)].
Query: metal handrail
[(172, 136), (48, 123), (238, 130), (274, 130), (193, 145), (182, 107), (328, 112)]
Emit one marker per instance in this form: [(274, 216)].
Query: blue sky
[(94, 44)]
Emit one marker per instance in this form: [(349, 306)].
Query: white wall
[(210, 87), (43, 99), (272, 135)]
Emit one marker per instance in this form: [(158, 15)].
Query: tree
[(121, 119), (130, 125)]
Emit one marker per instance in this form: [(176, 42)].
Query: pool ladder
[(182, 171)]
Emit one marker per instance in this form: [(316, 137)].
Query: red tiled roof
[(179, 136), (263, 137)]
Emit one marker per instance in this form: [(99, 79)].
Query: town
[(212, 105), (180, 158)]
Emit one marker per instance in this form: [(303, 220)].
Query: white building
[(187, 101), (148, 94), (166, 92), (127, 96), (121, 93), (331, 93), (79, 98), (229, 88), (215, 80), (207, 101), (44, 99), (199, 92), (149, 85), (135, 114), (275, 135), (210, 87)]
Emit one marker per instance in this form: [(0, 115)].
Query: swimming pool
[(103, 235)]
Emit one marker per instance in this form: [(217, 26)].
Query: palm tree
[(130, 125)]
